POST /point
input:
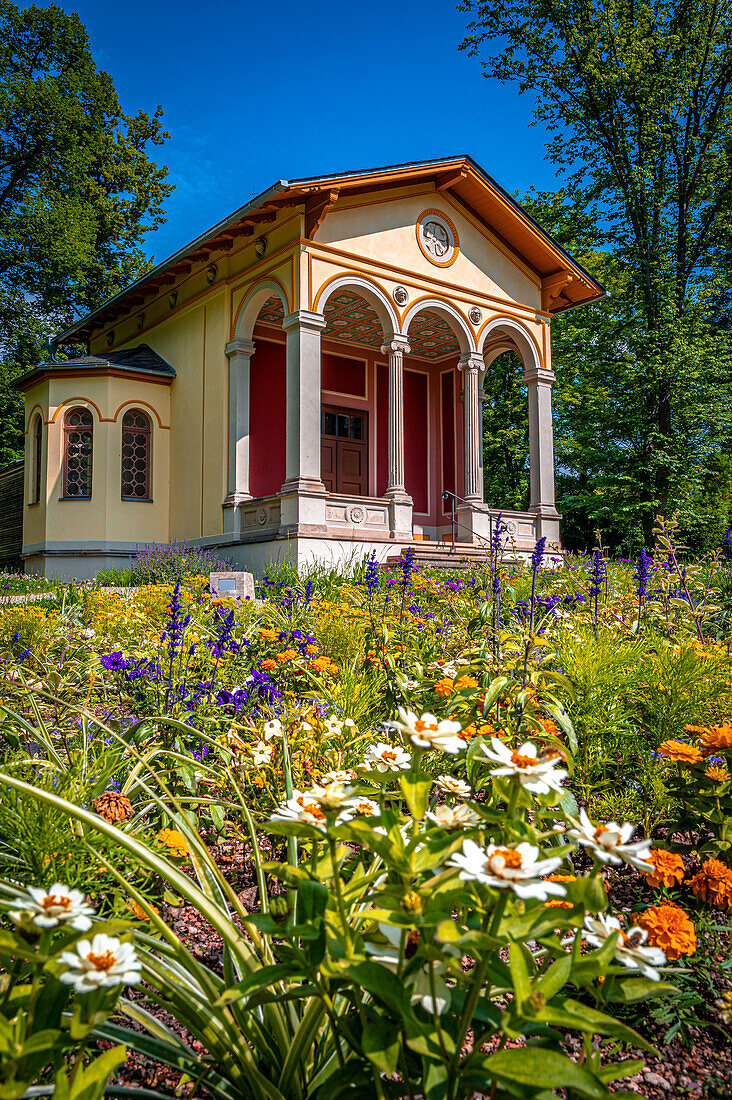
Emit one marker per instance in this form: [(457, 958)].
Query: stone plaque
[(232, 586)]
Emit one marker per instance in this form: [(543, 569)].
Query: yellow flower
[(680, 751), (174, 840), (669, 928)]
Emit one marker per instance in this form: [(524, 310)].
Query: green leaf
[(628, 990), (380, 1043), (415, 787), (541, 1068)]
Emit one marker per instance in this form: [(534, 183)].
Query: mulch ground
[(699, 1070)]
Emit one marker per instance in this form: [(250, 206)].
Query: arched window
[(78, 445), (136, 472), (37, 454)]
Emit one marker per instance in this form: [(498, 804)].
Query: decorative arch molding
[(85, 402), (524, 340), (252, 302), (36, 408), (370, 291), (457, 321), (134, 402)]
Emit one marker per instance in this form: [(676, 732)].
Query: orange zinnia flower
[(268, 635), (465, 682), (679, 750), (320, 664), (713, 884), (475, 731), (669, 928), (268, 665), (444, 687), (171, 838), (717, 737), (717, 775), (668, 868), (138, 911)]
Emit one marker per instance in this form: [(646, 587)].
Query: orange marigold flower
[(558, 903), (113, 806), (713, 884), (717, 775), (465, 682), (475, 731), (679, 750), (668, 868), (717, 737), (548, 726), (669, 928), (444, 686), (286, 655), (268, 635), (268, 665), (311, 649), (174, 840), (320, 664)]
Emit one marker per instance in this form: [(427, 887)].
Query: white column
[(472, 367), (239, 353), (474, 524), (303, 492), (541, 450), (396, 347)]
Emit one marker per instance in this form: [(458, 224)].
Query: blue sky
[(257, 92)]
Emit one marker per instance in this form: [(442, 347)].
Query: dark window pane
[(343, 426), (329, 423), (356, 427)]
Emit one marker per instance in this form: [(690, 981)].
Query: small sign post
[(232, 586)]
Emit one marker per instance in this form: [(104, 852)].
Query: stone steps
[(444, 556)]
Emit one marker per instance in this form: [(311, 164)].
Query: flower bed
[(444, 837)]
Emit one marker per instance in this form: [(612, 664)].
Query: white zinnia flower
[(104, 962), (421, 990), (516, 868), (541, 776), (310, 807), (630, 950), (609, 843), (428, 732), (49, 908), (453, 817), (386, 758), (365, 807), (450, 785), (338, 776)]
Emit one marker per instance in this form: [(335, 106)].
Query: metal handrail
[(454, 522)]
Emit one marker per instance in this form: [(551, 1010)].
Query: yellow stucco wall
[(105, 517)]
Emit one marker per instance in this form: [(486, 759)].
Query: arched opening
[(78, 454), (268, 399), (433, 435), (36, 459), (505, 430), (136, 464)]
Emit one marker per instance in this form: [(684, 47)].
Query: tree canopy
[(638, 100), (78, 188)]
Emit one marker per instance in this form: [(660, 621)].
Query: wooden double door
[(344, 451)]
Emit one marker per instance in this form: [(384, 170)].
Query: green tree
[(78, 188), (638, 97), (506, 434)]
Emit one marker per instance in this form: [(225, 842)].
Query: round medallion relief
[(401, 295), (261, 515), (511, 526), (357, 514), (437, 238), (475, 315)]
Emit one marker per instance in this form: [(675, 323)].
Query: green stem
[(339, 895)]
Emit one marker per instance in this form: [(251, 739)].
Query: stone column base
[(232, 514), (302, 507), (547, 523), (401, 507), (473, 526)]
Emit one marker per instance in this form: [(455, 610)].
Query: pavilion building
[(304, 380)]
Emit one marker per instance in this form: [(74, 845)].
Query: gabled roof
[(139, 360), (565, 282)]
